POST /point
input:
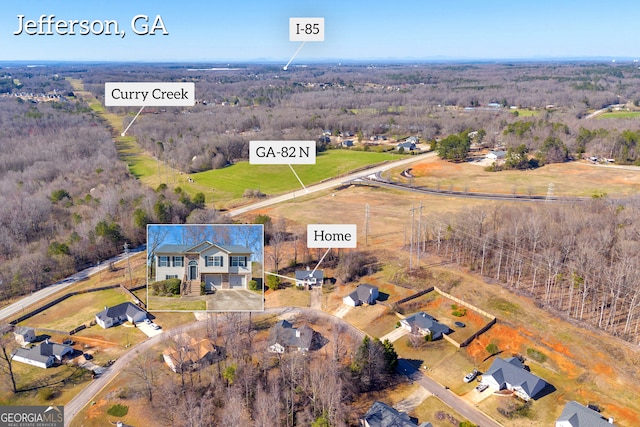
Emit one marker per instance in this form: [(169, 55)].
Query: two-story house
[(217, 266)]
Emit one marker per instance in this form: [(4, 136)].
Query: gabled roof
[(286, 335), (511, 371), (23, 330), (577, 415), (382, 415), (125, 309), (422, 320), (201, 247), (304, 274), (362, 292), (42, 352)]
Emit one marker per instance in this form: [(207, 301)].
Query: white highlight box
[(332, 235), (149, 94), (306, 29), (282, 152)]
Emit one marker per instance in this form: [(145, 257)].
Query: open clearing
[(569, 179), (583, 365)]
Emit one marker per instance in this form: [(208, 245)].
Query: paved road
[(20, 305), (335, 182), (72, 408), (447, 396)]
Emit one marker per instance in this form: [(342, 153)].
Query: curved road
[(459, 405)]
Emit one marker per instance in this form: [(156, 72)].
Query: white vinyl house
[(217, 266)]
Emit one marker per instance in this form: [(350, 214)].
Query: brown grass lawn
[(287, 297), (569, 179), (584, 365), (430, 407), (76, 310)]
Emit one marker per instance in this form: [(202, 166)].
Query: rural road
[(447, 396), (20, 305), (334, 182), (72, 408)]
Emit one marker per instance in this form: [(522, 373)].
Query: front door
[(193, 270)]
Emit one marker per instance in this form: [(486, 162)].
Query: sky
[(258, 31)]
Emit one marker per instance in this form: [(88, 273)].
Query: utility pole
[(126, 251), (366, 224)]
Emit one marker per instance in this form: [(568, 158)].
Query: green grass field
[(620, 115), (228, 184)]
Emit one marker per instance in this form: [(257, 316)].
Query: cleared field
[(582, 364), (228, 184), (569, 179), (179, 304), (620, 115), (76, 310)]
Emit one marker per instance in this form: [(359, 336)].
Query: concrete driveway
[(148, 330), (235, 300), (395, 335)]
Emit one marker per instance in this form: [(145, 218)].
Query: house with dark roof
[(120, 313), (510, 374), (577, 415), (407, 146), (309, 278), (423, 324), (217, 266), (284, 337), (496, 155), (364, 294), (24, 335), (43, 355), (382, 415)]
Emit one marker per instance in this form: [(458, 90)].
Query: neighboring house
[(364, 294), (347, 143), (412, 139), (408, 146), (284, 337), (510, 374), (382, 415), (120, 313), (43, 355), (24, 335), (576, 415), (189, 354), (308, 278), (424, 324), (217, 266), (496, 155)]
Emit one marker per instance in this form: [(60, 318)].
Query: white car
[(154, 326), (471, 376)]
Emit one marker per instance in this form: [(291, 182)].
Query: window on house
[(178, 261), (171, 276), (163, 261), (238, 261), (214, 261)]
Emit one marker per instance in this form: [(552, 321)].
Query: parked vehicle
[(482, 387), (460, 324), (471, 376)]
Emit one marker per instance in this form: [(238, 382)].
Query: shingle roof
[(179, 249), (511, 371), (382, 415), (578, 415), (32, 353), (22, 330), (42, 352), (125, 309), (423, 321), (303, 274), (286, 335), (362, 292)]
